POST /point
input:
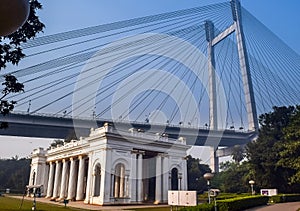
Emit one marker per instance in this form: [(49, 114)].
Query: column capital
[(163, 155), (138, 152)]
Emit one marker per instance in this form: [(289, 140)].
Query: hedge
[(201, 207), (242, 203), (234, 204), (281, 198)]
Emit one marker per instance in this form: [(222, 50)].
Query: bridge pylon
[(213, 40)]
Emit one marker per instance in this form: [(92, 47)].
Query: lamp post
[(251, 182), (208, 177)]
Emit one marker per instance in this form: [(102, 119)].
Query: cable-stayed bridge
[(213, 68)]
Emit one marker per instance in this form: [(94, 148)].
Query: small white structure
[(268, 192), (110, 167)]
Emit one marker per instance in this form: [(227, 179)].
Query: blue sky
[(281, 16)]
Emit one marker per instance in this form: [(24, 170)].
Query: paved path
[(291, 206)]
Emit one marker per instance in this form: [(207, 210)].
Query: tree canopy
[(272, 161), (268, 155), (11, 53), (195, 171)]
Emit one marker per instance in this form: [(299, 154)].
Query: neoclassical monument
[(110, 167)]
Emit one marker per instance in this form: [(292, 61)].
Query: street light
[(251, 182), (208, 177)]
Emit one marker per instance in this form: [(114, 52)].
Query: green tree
[(264, 153), (11, 52), (14, 174), (290, 152), (238, 153), (195, 171), (233, 178)]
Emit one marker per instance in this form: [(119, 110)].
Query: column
[(165, 178), (50, 180), (117, 184), (140, 178), (158, 184), (63, 186), (80, 181), (57, 180), (72, 180), (122, 181), (133, 176), (89, 181)]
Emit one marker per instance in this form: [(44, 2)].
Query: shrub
[(232, 204), (284, 198), (201, 207)]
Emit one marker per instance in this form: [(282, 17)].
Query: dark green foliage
[(238, 153), (264, 153), (242, 203), (195, 174), (201, 207), (233, 204), (11, 52), (14, 174), (290, 149), (282, 198), (234, 178)]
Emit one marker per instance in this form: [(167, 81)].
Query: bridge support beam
[(213, 110), (214, 160), (244, 65)]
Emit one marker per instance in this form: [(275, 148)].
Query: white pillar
[(140, 178), (57, 179), (158, 183), (72, 180), (88, 192), (165, 178), (80, 181), (117, 185), (64, 178), (133, 176), (122, 181), (106, 183), (50, 180), (184, 174)]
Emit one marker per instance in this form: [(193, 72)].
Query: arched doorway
[(119, 181), (174, 179), (97, 180)]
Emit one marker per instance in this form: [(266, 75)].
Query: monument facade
[(112, 167)]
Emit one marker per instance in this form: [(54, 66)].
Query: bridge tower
[(213, 40)]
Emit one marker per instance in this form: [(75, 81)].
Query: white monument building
[(108, 168)]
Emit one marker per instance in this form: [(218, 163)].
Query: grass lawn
[(7, 203), (13, 204)]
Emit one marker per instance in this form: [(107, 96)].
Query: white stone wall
[(112, 152)]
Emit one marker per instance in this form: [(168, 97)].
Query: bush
[(232, 204), (242, 203), (201, 207), (281, 198)]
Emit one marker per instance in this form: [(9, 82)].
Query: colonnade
[(67, 178), (161, 162)]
